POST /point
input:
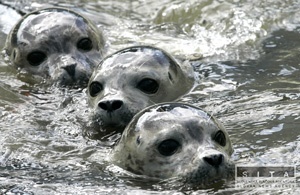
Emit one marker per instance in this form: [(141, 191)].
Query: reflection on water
[(249, 79)]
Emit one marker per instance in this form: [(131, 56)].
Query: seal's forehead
[(175, 115), (34, 24), (127, 58), (180, 111), (188, 112)]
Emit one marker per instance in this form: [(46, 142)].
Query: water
[(249, 79)]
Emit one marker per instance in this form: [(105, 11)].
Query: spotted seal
[(133, 78), (175, 140), (56, 43)]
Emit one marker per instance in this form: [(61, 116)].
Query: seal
[(56, 44), (175, 140), (133, 78)]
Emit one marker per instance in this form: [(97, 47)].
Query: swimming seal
[(175, 140), (133, 78), (56, 43)]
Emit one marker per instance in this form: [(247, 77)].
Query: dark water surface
[(249, 79)]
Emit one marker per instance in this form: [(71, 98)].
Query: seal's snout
[(110, 105), (214, 160), (71, 69)]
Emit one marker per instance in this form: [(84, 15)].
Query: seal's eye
[(35, 58), (168, 147), (220, 138), (95, 88), (85, 44), (147, 85)]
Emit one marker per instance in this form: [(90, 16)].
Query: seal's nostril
[(103, 105), (116, 104), (71, 69), (214, 160), (110, 106)]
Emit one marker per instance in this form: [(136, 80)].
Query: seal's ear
[(11, 40), (174, 67), (228, 143), (172, 73), (182, 74)]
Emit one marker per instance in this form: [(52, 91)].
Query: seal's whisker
[(153, 103), (142, 64), (211, 115), (72, 27)]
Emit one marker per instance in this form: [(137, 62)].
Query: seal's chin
[(201, 180), (209, 176), (64, 79), (115, 120), (72, 82), (110, 121), (118, 124)]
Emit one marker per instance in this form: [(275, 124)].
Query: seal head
[(133, 78), (56, 43), (175, 140)]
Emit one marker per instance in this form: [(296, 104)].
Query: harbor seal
[(133, 78), (55, 43), (175, 140)]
